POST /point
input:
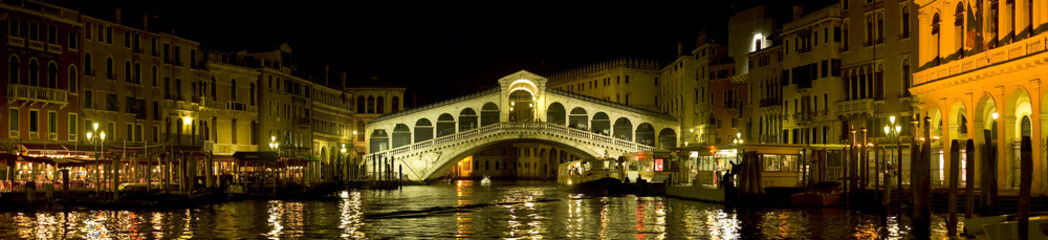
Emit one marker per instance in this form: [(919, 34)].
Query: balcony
[(54, 48), (16, 41), (180, 105), (18, 92), (184, 139), (36, 45), (1016, 50), (771, 102), (856, 107), (235, 106), (300, 121)]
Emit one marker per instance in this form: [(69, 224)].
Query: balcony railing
[(855, 107), (184, 139), (36, 94), (36, 45), (1005, 53), (54, 48), (16, 41)]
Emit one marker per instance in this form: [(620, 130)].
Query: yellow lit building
[(981, 78)]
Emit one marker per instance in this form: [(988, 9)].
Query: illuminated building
[(980, 77), (40, 54), (811, 77), (628, 81)]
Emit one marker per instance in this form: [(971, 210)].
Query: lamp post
[(342, 164), (892, 131)]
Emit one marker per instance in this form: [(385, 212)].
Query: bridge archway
[(646, 134), (401, 135), (467, 120), (489, 114), (578, 119), (423, 130), (379, 140), (601, 124), (555, 113), (667, 139), (445, 125), (623, 129), (453, 157), (522, 106)]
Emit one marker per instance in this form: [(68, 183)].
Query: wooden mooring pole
[(951, 220), (1026, 169)]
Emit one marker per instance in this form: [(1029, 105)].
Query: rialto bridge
[(428, 140)]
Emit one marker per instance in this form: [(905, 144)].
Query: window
[(254, 133), (13, 70), (72, 126), (371, 104), (154, 46), (380, 105), (88, 69), (156, 133), (72, 79), (627, 79), (178, 55), (110, 74), (12, 119), (156, 110), (111, 102), (167, 53), (109, 35), (138, 73), (52, 122), (905, 22), (395, 104), (111, 128), (233, 132), (130, 133), (74, 42), (88, 99), (14, 28), (33, 31), (34, 120)]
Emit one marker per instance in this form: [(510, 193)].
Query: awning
[(256, 156), (69, 162), (44, 160)]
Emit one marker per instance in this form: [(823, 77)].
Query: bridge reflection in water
[(521, 209)]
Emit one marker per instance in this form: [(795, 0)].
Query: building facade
[(980, 78)]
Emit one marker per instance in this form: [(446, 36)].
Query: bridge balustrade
[(509, 128)]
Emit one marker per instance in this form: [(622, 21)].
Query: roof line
[(436, 105)]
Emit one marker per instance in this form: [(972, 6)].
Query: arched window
[(155, 77), (371, 104), (72, 78), (394, 104), (905, 21), (869, 30), (34, 72), (935, 35), (88, 67), (13, 69), (128, 76), (214, 89), (138, 73), (361, 104), (880, 28), (845, 36), (109, 69), (52, 75)]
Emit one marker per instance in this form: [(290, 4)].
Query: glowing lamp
[(887, 130), (891, 119), (994, 115), (898, 129)]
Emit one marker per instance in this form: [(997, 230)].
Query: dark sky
[(438, 51)]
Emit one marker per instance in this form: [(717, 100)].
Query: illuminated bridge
[(428, 140)]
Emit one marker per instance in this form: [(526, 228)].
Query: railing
[(16, 41), (518, 128), (36, 45), (230, 148), (1009, 52), (54, 48), (37, 94), (855, 106), (184, 139)]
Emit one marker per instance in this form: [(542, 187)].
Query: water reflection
[(526, 210)]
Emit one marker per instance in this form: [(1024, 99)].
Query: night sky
[(437, 51)]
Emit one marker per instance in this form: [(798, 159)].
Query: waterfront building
[(765, 99), (286, 108), (231, 108), (681, 89), (332, 115), (40, 54), (980, 77), (811, 77), (372, 97), (708, 56), (627, 81)]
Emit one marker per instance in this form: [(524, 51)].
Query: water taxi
[(602, 176)]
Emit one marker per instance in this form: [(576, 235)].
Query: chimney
[(342, 76), (327, 72), (117, 14), (798, 11), (145, 21)]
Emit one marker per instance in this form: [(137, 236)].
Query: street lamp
[(892, 131)]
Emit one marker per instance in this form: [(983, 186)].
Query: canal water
[(506, 210)]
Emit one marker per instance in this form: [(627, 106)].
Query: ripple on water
[(512, 210)]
